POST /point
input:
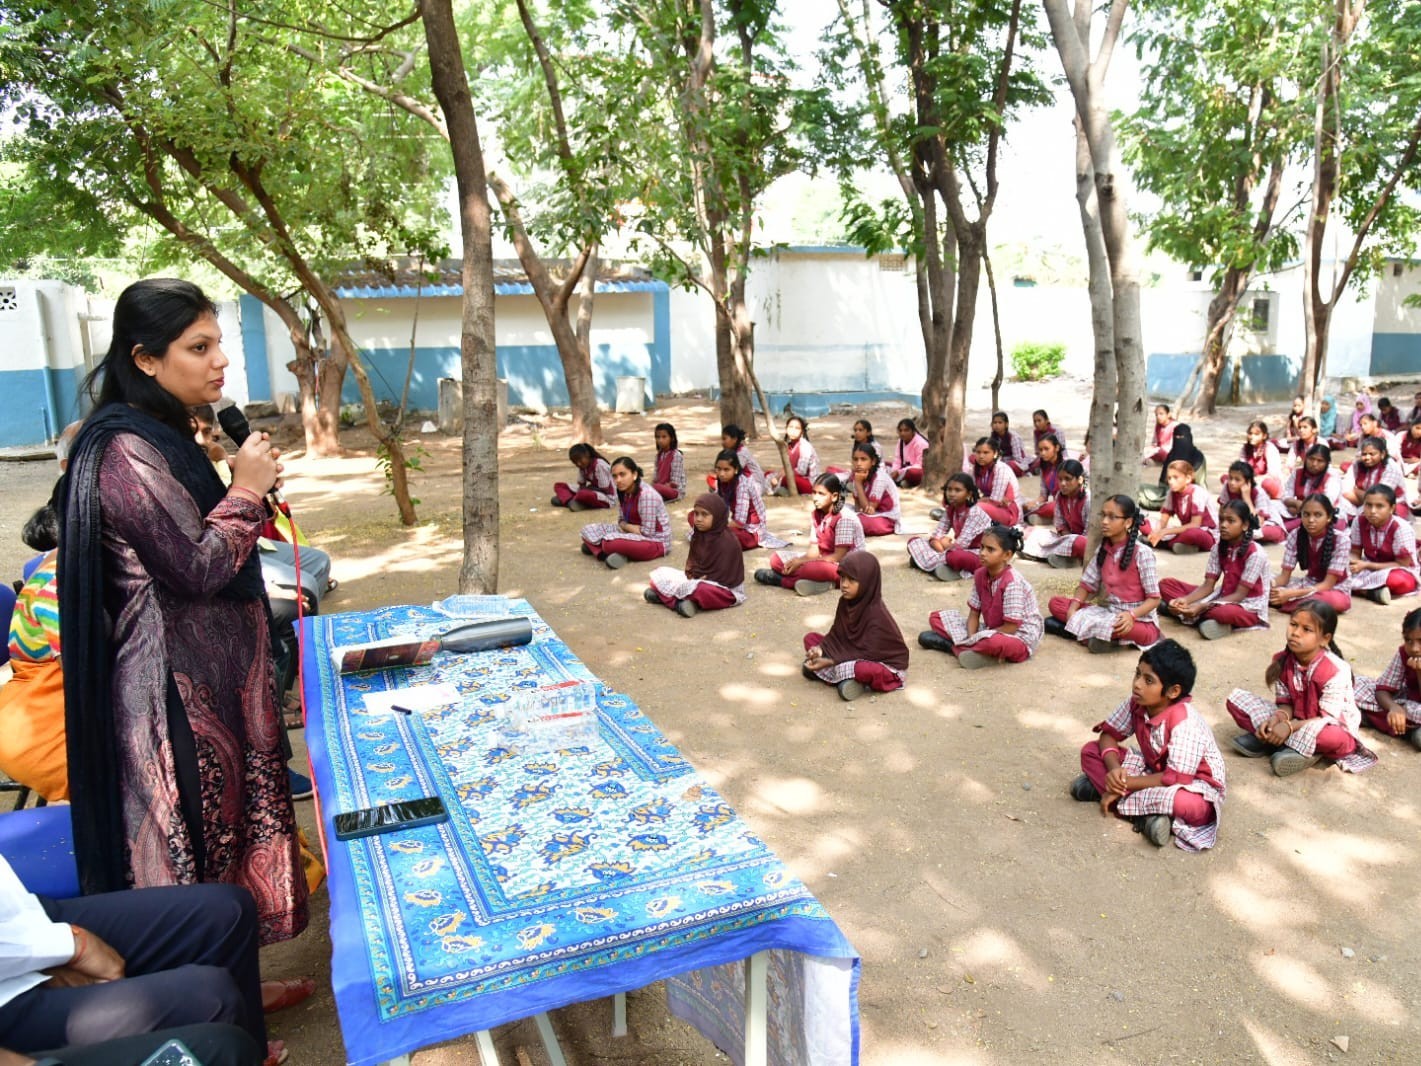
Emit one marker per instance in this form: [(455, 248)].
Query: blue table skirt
[(560, 876)]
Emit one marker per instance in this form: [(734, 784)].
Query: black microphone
[(234, 423)]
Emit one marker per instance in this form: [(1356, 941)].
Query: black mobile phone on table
[(406, 814)]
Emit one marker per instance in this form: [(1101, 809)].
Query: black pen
[(402, 710)]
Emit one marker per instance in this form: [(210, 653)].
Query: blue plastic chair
[(39, 846)]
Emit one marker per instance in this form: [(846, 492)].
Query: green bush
[(1037, 362)]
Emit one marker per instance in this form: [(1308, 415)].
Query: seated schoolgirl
[(1392, 703), (714, 577), (905, 465), (862, 434), (803, 459), (743, 499), (1296, 413), (864, 648), (837, 531), (1162, 437), (1372, 427), (1373, 467), (1123, 574), (1003, 622), (1389, 415), (1173, 781), (594, 481), (1314, 476), (732, 438), (1234, 594), (1181, 449), (1411, 450), (1009, 445), (996, 482), (1319, 550), (1239, 484), (642, 533), (1041, 428), (873, 494), (1327, 424), (1383, 563), (1313, 710), (1298, 445), (1261, 453), (670, 479), (1188, 516), (1361, 405), (1063, 545), (951, 553), (1049, 457)]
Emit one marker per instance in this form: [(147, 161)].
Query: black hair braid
[(1329, 545), (1130, 539), (1304, 550), (1250, 527)]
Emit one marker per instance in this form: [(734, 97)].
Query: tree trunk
[(996, 332), (576, 358), (944, 454), (325, 420), (969, 279), (1222, 310), (479, 571), (735, 406)]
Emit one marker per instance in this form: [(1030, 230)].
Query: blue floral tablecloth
[(560, 876)]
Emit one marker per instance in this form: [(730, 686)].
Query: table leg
[(484, 1042), (550, 1040), (619, 1014), (756, 1009)]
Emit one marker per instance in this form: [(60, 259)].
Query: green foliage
[(1032, 361)]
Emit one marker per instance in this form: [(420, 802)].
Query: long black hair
[(670, 431), (1245, 513), (867, 448), (1131, 511), (1329, 539), (1326, 616), (803, 427), (148, 317), (628, 463), (832, 483), (731, 430), (1009, 538), (584, 450), (965, 480), (1075, 468)]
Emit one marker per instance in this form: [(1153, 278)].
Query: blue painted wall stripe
[(534, 373), (1396, 353), (254, 347)]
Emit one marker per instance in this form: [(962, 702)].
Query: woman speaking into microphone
[(176, 772)]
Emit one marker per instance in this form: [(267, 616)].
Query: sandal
[(291, 711), (278, 995)]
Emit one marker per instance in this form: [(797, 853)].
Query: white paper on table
[(417, 698)]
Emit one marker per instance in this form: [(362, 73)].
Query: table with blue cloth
[(560, 876)]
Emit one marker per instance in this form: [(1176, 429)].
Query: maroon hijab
[(716, 554), (864, 627)]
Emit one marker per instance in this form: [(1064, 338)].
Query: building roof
[(404, 281)]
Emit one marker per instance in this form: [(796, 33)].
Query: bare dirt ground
[(998, 920)]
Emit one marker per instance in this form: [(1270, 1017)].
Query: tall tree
[(732, 129), (1366, 136), (1117, 415), (1217, 129), (479, 571), (966, 76), (138, 111)]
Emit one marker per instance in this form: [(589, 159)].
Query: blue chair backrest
[(38, 843), (7, 608)]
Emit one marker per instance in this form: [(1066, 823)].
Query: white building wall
[(1392, 314), (692, 341)]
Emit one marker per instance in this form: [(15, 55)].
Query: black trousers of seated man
[(190, 955), (212, 1044)]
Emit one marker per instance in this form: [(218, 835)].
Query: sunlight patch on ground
[(751, 694), (1273, 1049), (992, 951), (1374, 1003), (789, 795), (1257, 909), (1338, 862), (1057, 723), (1297, 981), (974, 791), (921, 696), (901, 1054)]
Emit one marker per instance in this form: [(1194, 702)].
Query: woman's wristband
[(248, 493)]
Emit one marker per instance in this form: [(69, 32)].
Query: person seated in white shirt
[(82, 980)]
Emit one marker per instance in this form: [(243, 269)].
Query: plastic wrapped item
[(552, 717)]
